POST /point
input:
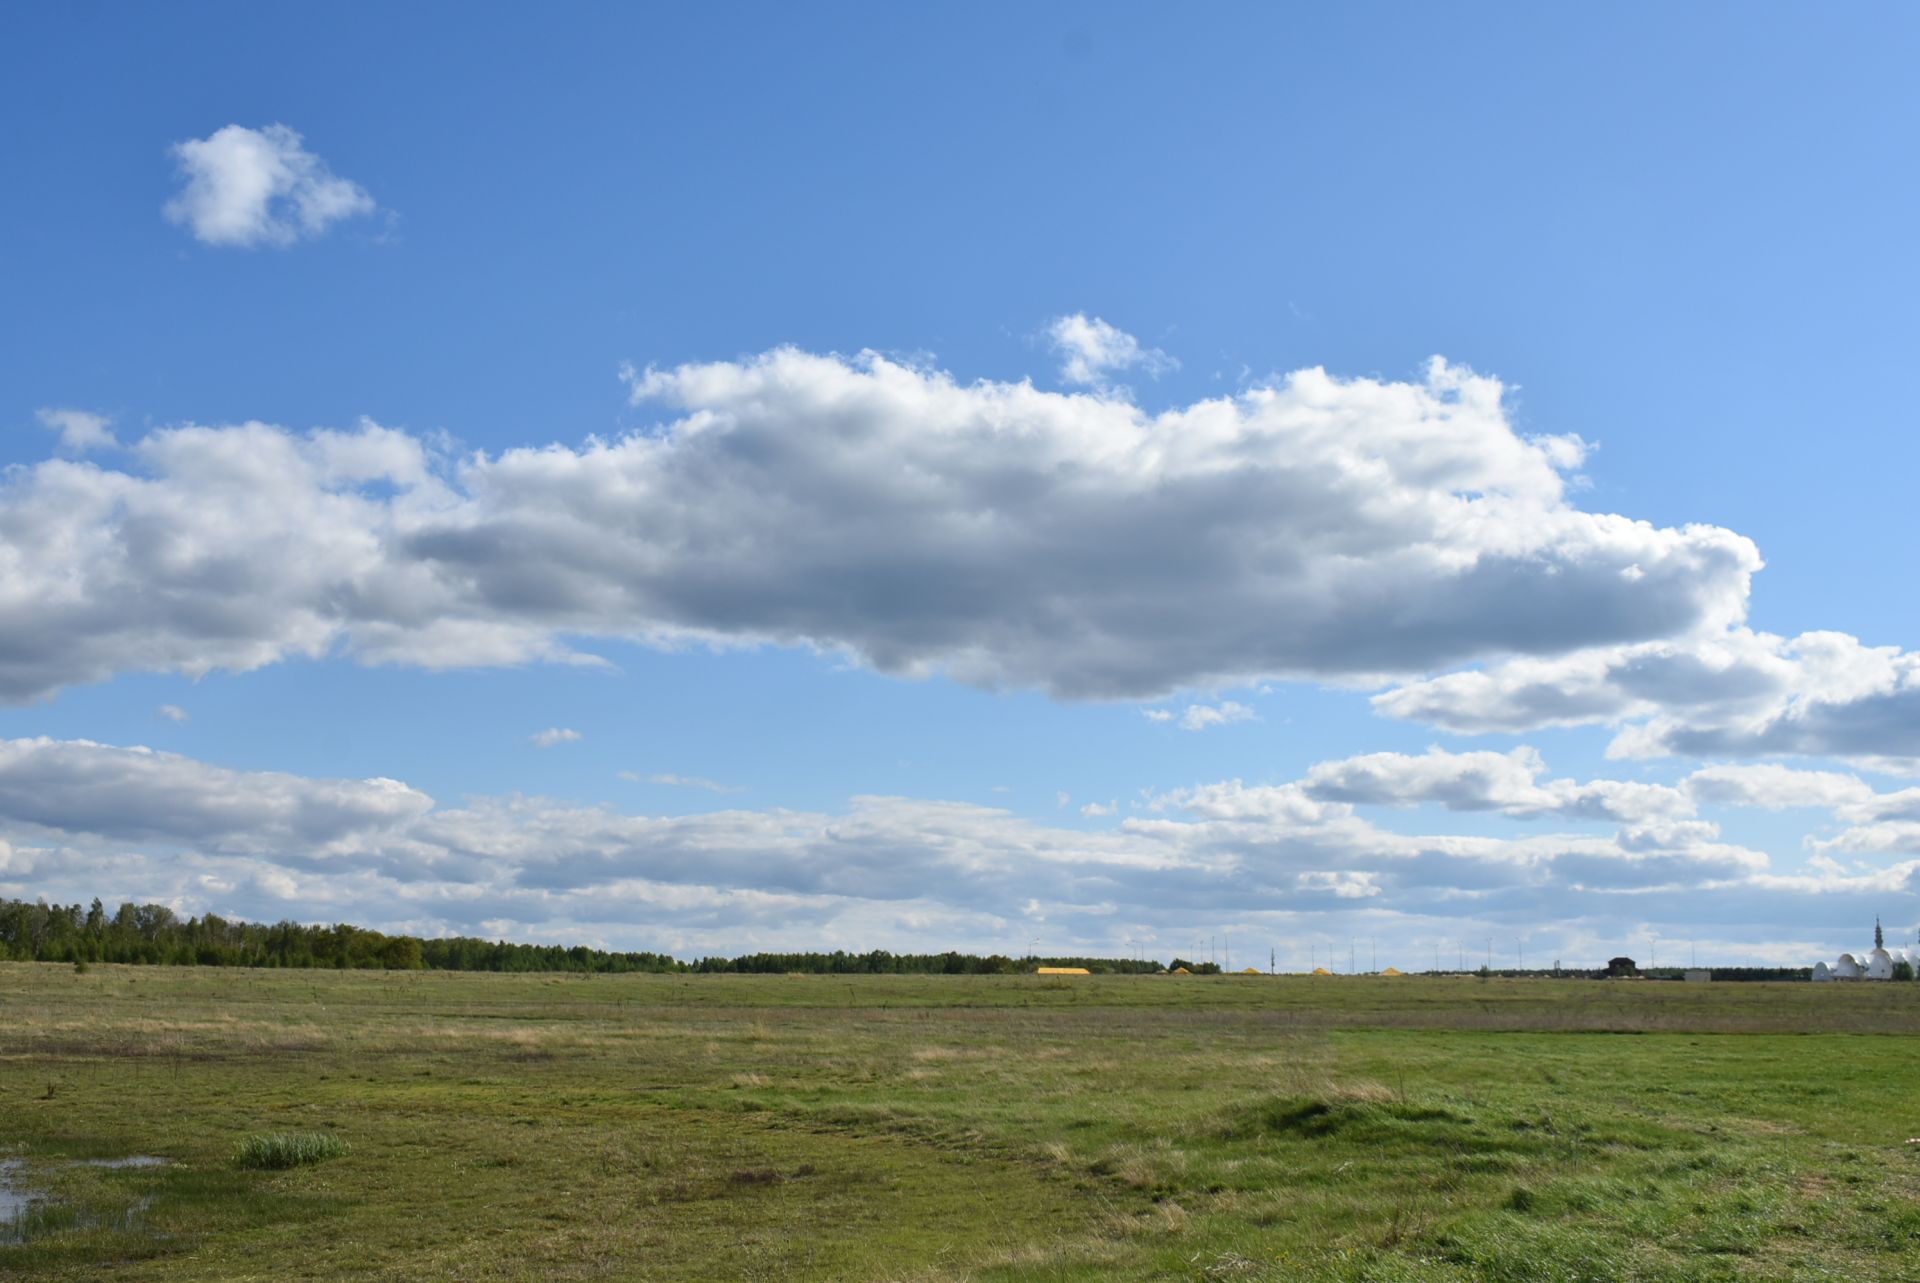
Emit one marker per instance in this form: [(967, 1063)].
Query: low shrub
[(271, 1151)]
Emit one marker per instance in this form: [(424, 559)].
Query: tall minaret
[(1879, 939)]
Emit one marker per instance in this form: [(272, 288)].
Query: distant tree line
[(154, 935)]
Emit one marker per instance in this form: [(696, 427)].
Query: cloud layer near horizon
[(1006, 535), (1274, 861)]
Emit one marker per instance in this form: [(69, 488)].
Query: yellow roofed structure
[(1061, 971), (1251, 971), (1393, 971), (1321, 971), (1180, 971)]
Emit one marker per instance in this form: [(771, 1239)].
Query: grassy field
[(733, 1127)]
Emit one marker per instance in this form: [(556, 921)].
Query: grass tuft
[(273, 1151)]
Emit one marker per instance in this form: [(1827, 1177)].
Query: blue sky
[(1681, 235)]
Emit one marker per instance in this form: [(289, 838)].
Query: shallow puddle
[(14, 1201), (27, 1213)]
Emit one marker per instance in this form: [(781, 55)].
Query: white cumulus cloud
[(1713, 693), (1008, 536), (80, 430), (1508, 783), (555, 735), (1091, 350), (249, 187)]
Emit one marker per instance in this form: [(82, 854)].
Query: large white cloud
[(1007, 535), (251, 187), (1268, 861)]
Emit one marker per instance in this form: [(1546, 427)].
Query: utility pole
[(1350, 957), (1272, 962)]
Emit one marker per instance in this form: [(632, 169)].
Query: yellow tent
[(1393, 971), (1180, 971), (1251, 971), (1321, 971)]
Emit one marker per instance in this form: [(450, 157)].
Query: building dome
[(1821, 971), (1846, 968), (1879, 965)]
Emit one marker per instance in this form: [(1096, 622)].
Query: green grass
[(967, 1128), (274, 1151)]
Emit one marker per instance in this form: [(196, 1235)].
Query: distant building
[(1699, 976), (1617, 967), (1880, 964)]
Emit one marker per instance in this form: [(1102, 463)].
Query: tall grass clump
[(271, 1151)]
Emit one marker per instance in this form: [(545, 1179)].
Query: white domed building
[(1877, 965)]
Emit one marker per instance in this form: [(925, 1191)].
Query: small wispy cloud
[(1091, 350), (1063, 798), (1096, 809), (174, 713), (671, 780), (251, 187), (555, 735), (79, 429), (1198, 717)]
